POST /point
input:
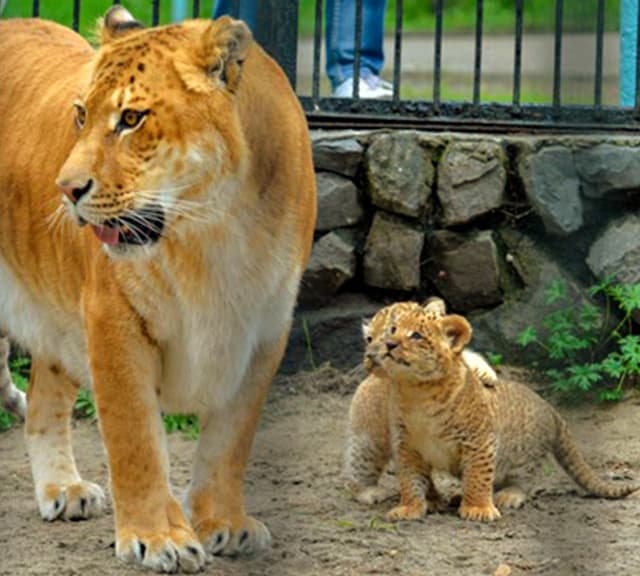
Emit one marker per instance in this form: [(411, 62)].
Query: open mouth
[(137, 228)]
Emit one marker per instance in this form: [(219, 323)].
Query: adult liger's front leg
[(216, 497), (151, 528), (60, 491)]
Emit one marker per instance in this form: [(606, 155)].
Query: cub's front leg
[(151, 528), (216, 496), (478, 475)]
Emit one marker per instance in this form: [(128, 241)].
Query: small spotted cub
[(369, 445), (446, 419)]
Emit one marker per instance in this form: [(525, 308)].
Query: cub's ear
[(456, 330), (217, 58), (435, 306), (117, 22)]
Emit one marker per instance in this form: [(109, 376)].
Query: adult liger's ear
[(456, 330), (117, 22), (217, 60)]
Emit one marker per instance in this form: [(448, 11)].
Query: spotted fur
[(369, 435), (446, 419), (162, 270)]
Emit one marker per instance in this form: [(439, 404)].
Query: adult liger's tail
[(568, 455)]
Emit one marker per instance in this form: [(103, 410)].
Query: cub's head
[(158, 140), (376, 329), (419, 348)]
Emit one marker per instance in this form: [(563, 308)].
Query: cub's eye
[(416, 336), (130, 119), (369, 339), (392, 330), (81, 115)]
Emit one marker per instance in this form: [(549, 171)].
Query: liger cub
[(157, 209), (446, 419), (369, 445)]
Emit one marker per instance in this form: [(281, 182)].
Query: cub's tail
[(568, 455)]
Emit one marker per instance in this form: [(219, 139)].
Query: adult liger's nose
[(75, 189)]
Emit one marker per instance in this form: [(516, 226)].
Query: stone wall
[(486, 222)]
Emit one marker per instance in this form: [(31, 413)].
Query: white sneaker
[(370, 87)]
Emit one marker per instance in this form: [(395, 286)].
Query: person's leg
[(340, 40), (247, 11)]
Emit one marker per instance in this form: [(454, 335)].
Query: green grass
[(20, 374)]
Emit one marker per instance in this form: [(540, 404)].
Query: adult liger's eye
[(130, 119), (416, 336)]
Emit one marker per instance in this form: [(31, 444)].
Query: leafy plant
[(19, 368), (495, 359), (588, 356), (186, 423)]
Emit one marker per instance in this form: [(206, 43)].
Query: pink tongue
[(106, 234)]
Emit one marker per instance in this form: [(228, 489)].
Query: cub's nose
[(390, 345), (75, 189)]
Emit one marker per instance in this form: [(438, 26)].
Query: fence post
[(628, 52), (277, 32)]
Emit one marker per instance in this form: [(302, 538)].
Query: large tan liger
[(168, 280), (446, 419)]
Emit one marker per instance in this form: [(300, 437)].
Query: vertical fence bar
[(517, 54), (397, 54), (196, 8), (155, 12), (637, 94), (437, 56), (76, 15), (627, 67), (317, 52), (557, 56), (276, 31), (357, 48), (35, 8), (477, 65), (234, 8), (597, 96)]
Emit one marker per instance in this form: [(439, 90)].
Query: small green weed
[(84, 406), (19, 368), (186, 423), (495, 359), (587, 356)]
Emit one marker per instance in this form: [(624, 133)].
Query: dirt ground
[(293, 485)]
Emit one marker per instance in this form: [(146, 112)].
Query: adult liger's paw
[(247, 537), (176, 550), (76, 501)]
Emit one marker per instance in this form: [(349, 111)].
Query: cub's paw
[(510, 497), (407, 512), (174, 550), (248, 537), (373, 495), (485, 513), (77, 501)]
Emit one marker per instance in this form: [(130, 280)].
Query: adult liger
[(167, 276)]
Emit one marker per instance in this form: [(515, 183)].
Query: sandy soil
[(293, 485)]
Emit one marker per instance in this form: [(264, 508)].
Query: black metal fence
[(276, 28)]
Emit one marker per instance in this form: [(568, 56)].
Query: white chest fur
[(209, 338)]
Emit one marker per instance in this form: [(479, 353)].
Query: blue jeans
[(247, 11), (341, 35)]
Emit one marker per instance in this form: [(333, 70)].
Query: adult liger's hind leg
[(216, 498), (11, 399), (60, 491)]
